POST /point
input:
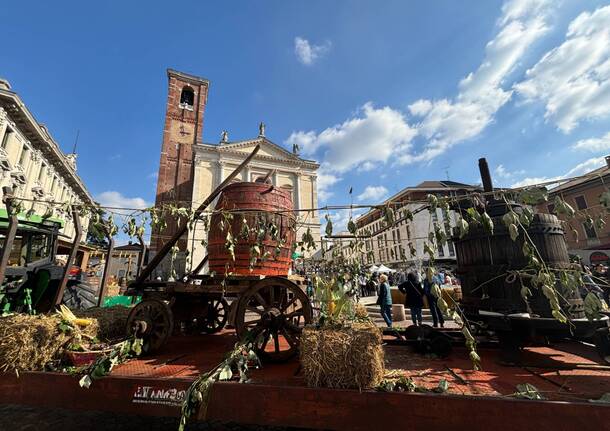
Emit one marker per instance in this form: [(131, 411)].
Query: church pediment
[(268, 149)]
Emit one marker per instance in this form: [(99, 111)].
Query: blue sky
[(383, 94)]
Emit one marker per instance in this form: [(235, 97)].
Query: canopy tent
[(384, 269), (374, 268)]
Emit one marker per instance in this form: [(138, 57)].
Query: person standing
[(414, 299), (437, 315), (384, 300), (362, 284)]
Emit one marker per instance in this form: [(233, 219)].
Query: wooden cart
[(271, 310)]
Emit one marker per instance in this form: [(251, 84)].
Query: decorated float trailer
[(500, 291), (250, 241)]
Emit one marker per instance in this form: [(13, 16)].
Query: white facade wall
[(31, 175)]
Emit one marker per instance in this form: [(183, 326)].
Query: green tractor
[(32, 276)]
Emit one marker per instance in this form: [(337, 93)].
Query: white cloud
[(373, 194), (501, 172), (372, 136), (594, 144), (573, 79), (325, 181), (579, 169), (586, 166), (308, 53), (153, 175), (117, 200), (447, 122)]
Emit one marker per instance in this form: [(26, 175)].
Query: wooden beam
[(77, 236)]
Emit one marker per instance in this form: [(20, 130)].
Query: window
[(23, 157), (6, 137), (41, 172), (451, 248), (581, 203), (589, 231), (441, 251), (187, 97)]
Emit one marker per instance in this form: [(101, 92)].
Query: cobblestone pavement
[(25, 418)]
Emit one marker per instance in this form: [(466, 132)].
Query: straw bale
[(29, 343), (112, 321), (343, 357)]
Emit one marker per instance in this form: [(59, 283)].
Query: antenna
[(446, 169), (75, 142)]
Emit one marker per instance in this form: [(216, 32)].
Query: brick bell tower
[(186, 100)]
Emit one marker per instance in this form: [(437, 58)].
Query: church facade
[(190, 170)]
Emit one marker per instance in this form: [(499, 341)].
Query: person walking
[(414, 299), (384, 300), (437, 315)]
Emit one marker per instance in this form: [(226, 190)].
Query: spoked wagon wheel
[(274, 312), (152, 320), (216, 315)]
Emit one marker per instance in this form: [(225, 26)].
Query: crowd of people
[(416, 287)]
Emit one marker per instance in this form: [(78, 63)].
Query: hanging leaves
[(526, 217), (533, 196), (474, 215), (604, 200), (600, 223), (462, 226), (440, 235), (329, 226), (432, 202), (351, 226), (488, 223), (562, 207), (388, 215), (593, 306)]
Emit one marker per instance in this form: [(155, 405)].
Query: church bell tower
[(186, 100)]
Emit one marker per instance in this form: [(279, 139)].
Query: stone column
[(221, 173), (314, 193), (274, 178), (297, 190), (246, 174), (3, 123)]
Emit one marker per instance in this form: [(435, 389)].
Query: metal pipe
[(103, 287), (11, 231), (156, 260), (485, 175), (73, 250)]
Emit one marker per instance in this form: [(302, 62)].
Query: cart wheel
[(153, 321), (216, 316), (273, 312)]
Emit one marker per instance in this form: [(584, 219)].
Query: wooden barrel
[(483, 261), (267, 211)]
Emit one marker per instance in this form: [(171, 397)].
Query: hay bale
[(343, 357), (112, 321), (29, 343)]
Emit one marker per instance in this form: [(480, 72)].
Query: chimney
[(608, 161)]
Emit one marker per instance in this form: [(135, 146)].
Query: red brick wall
[(182, 129)]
